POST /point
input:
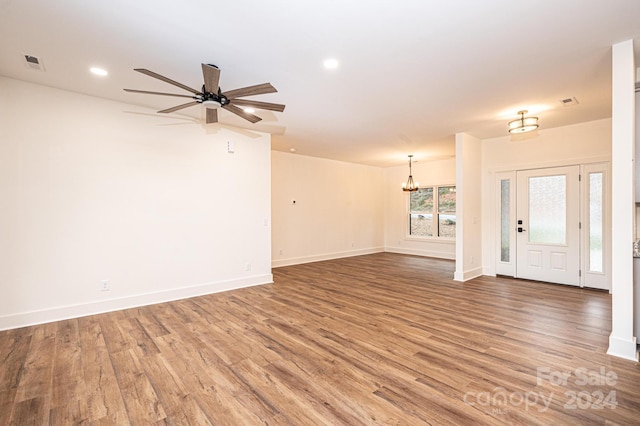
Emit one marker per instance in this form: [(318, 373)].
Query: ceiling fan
[(212, 97)]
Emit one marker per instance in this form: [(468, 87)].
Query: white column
[(468, 207), (622, 343)]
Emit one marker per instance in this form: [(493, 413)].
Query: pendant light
[(523, 124), (410, 185)]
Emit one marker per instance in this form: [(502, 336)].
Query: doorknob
[(520, 229)]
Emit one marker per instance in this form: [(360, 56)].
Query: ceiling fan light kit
[(213, 98), (523, 124), (410, 185), (210, 103)]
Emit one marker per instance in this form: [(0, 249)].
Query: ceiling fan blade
[(212, 115), (238, 111), (211, 76), (176, 108), (258, 89), (167, 80), (158, 93), (258, 104)]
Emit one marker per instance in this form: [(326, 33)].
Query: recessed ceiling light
[(330, 64), (292, 149), (249, 110), (99, 71)]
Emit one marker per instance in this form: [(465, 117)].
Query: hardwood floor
[(377, 339)]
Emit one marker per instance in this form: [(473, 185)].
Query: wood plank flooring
[(377, 339)]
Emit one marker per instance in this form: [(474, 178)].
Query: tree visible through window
[(431, 216)]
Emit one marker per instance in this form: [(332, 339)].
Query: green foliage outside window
[(422, 200), (447, 199)]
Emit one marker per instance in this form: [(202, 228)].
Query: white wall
[(397, 237), (580, 143), (96, 190), (338, 210)]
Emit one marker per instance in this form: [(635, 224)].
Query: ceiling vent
[(33, 62), (569, 101)]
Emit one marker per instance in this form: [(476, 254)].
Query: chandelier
[(410, 185)]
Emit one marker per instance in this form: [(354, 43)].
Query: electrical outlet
[(104, 285), (247, 267)]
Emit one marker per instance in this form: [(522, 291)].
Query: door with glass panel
[(548, 225)]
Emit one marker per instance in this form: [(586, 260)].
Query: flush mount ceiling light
[(410, 185), (523, 124)]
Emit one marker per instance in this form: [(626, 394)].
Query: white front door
[(547, 225)]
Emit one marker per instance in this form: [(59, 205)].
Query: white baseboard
[(320, 257), (425, 253), (623, 348), (25, 319), (467, 275)]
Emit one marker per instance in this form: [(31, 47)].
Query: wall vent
[(33, 62), (569, 101)]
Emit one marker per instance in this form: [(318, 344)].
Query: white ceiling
[(412, 73)]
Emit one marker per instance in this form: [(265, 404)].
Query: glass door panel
[(595, 222), (548, 209), (505, 220)]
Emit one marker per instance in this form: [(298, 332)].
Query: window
[(432, 212), (421, 212), (447, 211)]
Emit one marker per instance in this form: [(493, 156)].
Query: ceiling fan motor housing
[(212, 100)]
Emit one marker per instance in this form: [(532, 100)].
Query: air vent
[(33, 62), (569, 101)]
